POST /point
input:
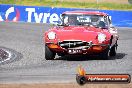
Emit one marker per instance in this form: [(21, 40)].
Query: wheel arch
[(111, 39)]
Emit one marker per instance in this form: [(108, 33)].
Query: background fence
[(41, 14)]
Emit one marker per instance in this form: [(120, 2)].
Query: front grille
[(73, 44)]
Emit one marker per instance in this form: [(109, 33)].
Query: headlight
[(51, 35), (101, 37)]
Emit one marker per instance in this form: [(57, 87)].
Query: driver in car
[(96, 21), (72, 20)]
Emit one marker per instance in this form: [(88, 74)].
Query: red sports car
[(82, 32)]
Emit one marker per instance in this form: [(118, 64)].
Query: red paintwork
[(83, 33), (78, 33)]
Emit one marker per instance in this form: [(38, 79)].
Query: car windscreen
[(92, 20)]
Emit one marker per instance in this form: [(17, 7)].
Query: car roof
[(86, 12)]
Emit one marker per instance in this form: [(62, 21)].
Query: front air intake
[(73, 44)]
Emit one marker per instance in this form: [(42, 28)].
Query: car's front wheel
[(61, 54), (105, 54), (113, 50), (49, 55)]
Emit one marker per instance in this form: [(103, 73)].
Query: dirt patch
[(102, 1), (65, 85)]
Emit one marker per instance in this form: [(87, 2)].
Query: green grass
[(58, 3)]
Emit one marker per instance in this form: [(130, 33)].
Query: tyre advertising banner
[(16, 13)]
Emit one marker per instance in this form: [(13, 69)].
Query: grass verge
[(67, 4)]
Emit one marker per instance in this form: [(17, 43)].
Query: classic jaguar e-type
[(82, 32)]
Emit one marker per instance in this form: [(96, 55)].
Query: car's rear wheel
[(113, 50), (49, 55)]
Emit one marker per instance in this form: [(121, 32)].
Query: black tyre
[(49, 55), (61, 54), (105, 54), (113, 50)]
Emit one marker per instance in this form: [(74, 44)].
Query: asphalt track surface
[(30, 66)]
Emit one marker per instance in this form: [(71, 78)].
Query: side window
[(109, 19), (64, 19)]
